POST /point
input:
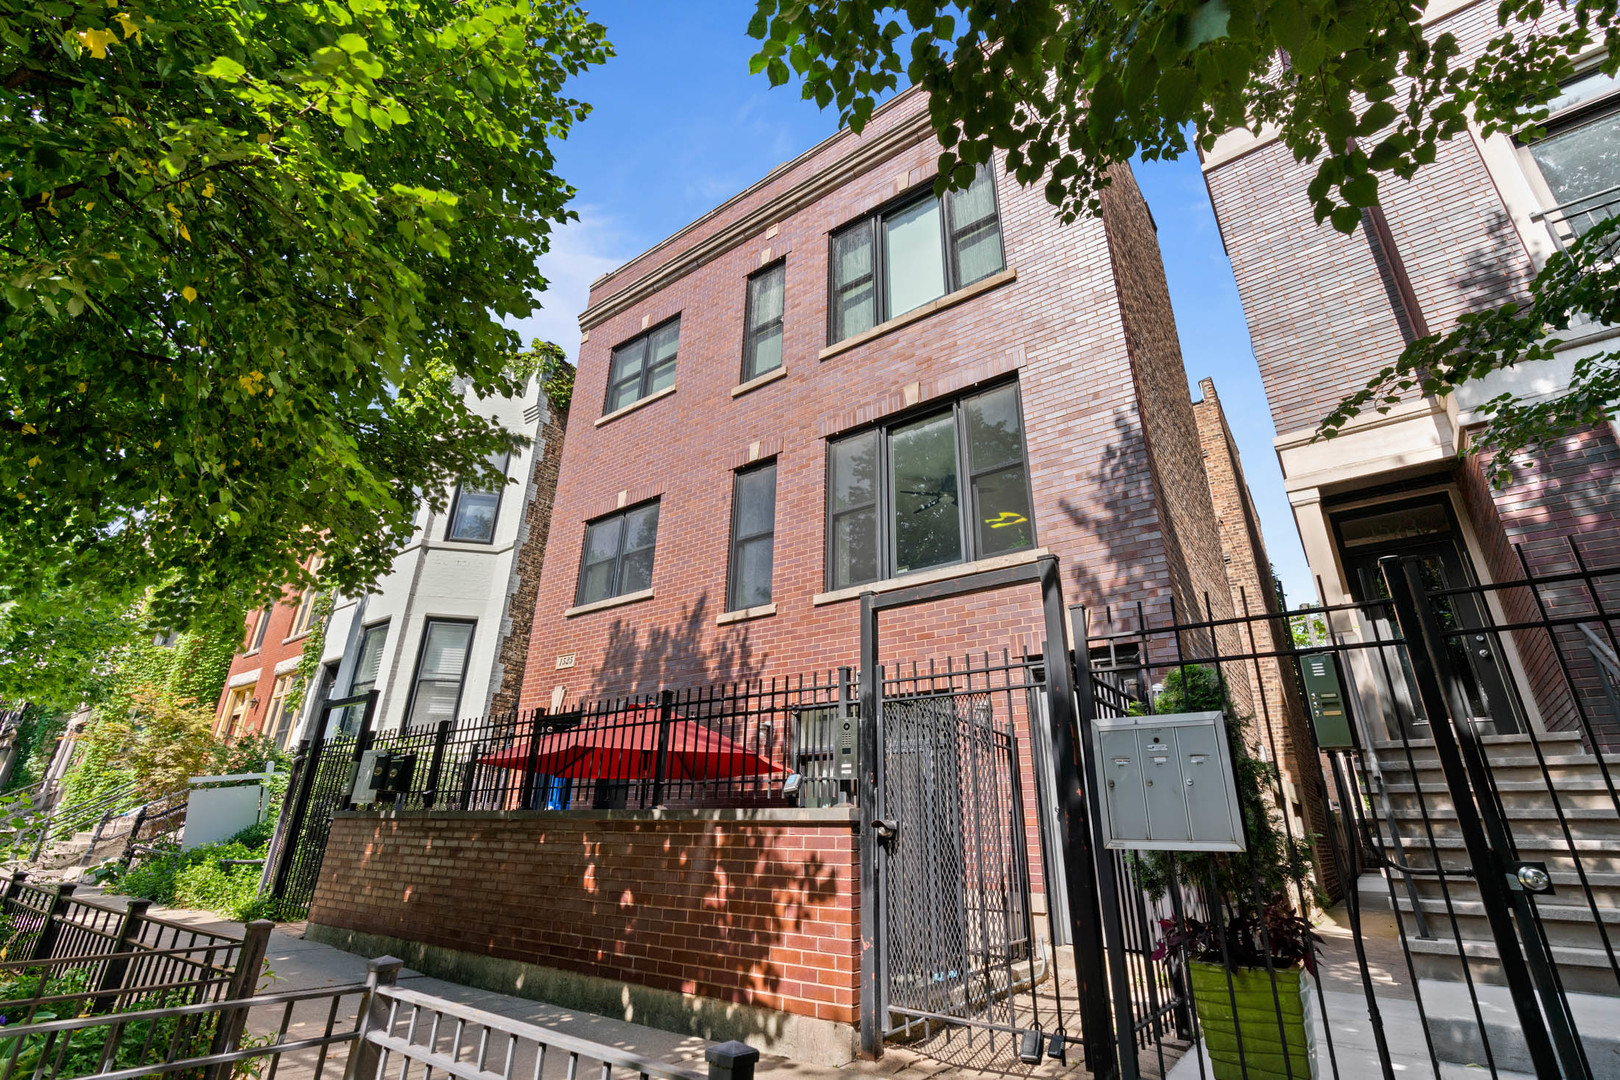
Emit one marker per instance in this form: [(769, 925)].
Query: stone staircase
[(1415, 783)]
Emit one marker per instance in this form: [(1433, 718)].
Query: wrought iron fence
[(61, 951)]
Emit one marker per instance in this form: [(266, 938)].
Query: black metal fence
[(63, 953)]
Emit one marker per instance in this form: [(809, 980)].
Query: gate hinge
[(886, 828)]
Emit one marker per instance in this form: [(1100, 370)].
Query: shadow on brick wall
[(643, 660), (1118, 520)]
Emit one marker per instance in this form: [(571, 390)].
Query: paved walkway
[(297, 964)]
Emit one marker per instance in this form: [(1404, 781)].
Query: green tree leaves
[(253, 258)]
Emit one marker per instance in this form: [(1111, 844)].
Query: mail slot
[(1324, 692), (1167, 783)]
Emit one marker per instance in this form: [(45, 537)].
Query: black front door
[(1425, 530)]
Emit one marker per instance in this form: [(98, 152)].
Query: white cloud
[(581, 252)]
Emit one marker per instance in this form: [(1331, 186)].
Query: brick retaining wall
[(755, 908)]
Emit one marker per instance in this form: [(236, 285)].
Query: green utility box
[(1330, 718)]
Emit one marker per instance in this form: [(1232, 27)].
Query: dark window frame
[(495, 521), (261, 626), (882, 502), (751, 333), (421, 654), (949, 236), (644, 337), (732, 562), (619, 553)]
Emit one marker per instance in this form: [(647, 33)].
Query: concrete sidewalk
[(297, 964)]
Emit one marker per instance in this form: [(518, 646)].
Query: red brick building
[(791, 400), (265, 671), (1326, 312)]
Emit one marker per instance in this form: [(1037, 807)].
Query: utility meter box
[(1167, 783), (368, 778), (1324, 693)]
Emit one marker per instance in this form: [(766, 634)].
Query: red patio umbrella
[(624, 746)]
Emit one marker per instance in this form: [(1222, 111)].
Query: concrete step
[(1582, 970), (1599, 855), (1564, 924), (1454, 1028), (1582, 792), (1540, 823), (1567, 888)]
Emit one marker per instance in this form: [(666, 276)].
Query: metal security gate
[(956, 898)]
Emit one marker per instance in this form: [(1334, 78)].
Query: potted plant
[(1260, 899)]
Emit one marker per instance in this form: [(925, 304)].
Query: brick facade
[(1081, 321), (258, 669), (762, 913)]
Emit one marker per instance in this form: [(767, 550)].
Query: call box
[(1325, 694), (1167, 783)]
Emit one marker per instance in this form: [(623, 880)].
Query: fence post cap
[(386, 968), (137, 905), (19, 875), (731, 1053), (66, 888)]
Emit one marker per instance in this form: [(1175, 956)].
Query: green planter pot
[(1257, 1020)]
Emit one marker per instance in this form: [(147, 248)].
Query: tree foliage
[(1067, 89), (251, 257)]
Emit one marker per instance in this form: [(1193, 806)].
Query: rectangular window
[(753, 537), (917, 251), (236, 710), (260, 625), (642, 366), (947, 487), (305, 615), (618, 556), (474, 509), (762, 350), (278, 718), (441, 668), (1575, 160), (363, 679)]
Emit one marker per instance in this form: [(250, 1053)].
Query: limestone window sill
[(758, 381), (978, 288), (610, 602), (639, 403), (745, 614), (923, 577)]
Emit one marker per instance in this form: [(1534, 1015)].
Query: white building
[(430, 636)]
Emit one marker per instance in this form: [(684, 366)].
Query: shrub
[(195, 878)]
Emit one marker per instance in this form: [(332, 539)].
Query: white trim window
[(1574, 163)]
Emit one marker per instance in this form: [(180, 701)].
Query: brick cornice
[(870, 152)]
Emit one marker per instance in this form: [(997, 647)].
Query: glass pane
[(978, 253), (854, 548), (641, 528), (1580, 91), (854, 471), (995, 430), (852, 254), (475, 516), (627, 362), (856, 311), (597, 582), (444, 653), (927, 517), (365, 667), (766, 353), (624, 394), (434, 701), (664, 340), (976, 203), (752, 586), (756, 501), (661, 376), (602, 539), (1002, 502), (915, 269), (765, 297), (635, 571), (1582, 162)]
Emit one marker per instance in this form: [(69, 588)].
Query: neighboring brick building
[(264, 672), (1326, 312)]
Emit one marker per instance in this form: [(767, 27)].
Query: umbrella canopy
[(624, 746)]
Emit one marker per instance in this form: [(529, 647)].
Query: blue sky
[(679, 126)]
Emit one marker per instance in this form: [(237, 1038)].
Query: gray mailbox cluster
[(1167, 783)]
